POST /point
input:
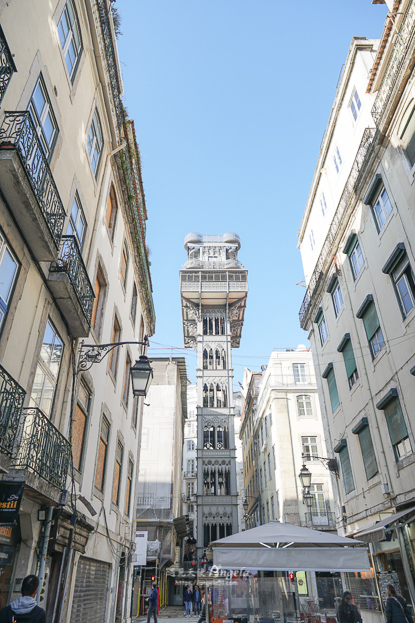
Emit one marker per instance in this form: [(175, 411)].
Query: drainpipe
[(48, 523)]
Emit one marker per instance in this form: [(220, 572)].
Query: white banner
[(141, 548)]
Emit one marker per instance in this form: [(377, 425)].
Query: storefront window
[(9, 538)]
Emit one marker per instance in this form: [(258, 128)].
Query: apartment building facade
[(359, 305), (73, 267)]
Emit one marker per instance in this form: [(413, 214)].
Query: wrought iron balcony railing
[(348, 193), (397, 64), (145, 500), (18, 132), (7, 66), (111, 59), (11, 403), (71, 262), (315, 520), (42, 448)]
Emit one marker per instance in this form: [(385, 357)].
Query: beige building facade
[(73, 267)]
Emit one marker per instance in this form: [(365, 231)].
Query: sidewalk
[(174, 614)]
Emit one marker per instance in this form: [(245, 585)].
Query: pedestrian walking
[(202, 617), (397, 610), (153, 601), (348, 612), (25, 608), (197, 601), (188, 601)]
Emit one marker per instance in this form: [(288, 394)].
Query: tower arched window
[(216, 325), (218, 396), (205, 326), (222, 326), (224, 396), (209, 438), (217, 359), (211, 396), (211, 359), (210, 322), (205, 359), (205, 395), (221, 482), (223, 358)]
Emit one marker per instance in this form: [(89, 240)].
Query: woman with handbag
[(397, 610)]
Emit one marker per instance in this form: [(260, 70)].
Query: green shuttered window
[(349, 360), (346, 469), (334, 395), (395, 421), (371, 321), (368, 452)]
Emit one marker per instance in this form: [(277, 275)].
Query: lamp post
[(305, 478), (245, 506)]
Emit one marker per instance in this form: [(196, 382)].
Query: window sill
[(98, 494), (378, 357), (408, 319), (380, 233), (359, 276), (339, 315), (112, 377), (354, 388), (405, 461)]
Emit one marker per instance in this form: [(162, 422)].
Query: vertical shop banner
[(141, 548), (11, 494)]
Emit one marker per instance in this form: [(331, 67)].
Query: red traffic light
[(292, 577), (153, 578)]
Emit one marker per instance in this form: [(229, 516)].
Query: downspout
[(48, 523)]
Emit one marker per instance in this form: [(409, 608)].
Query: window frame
[(119, 456), (48, 375), (306, 442), (300, 374), (5, 304), (374, 335), (369, 462), (379, 200), (75, 25), (80, 215), (105, 442), (356, 104), (344, 456), (85, 409), (322, 330), (330, 377), (305, 414), (95, 129), (392, 398), (39, 118), (129, 487)]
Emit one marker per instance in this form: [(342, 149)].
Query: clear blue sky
[(230, 100)]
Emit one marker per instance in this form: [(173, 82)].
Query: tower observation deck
[(214, 288)]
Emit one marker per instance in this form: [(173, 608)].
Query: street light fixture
[(305, 478), (141, 376)]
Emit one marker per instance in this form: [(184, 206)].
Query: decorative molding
[(215, 420), (191, 310)]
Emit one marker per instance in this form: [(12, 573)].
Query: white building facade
[(359, 306)]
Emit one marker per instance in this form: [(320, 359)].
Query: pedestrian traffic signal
[(153, 578), (292, 577)]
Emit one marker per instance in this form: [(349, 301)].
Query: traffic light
[(153, 577), (292, 577)]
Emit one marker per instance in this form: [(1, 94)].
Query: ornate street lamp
[(141, 376), (305, 478), (245, 504)]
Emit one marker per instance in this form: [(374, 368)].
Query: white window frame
[(92, 141), (73, 24), (302, 399), (300, 374), (359, 260), (39, 118), (73, 225), (355, 104), (322, 330), (323, 204), (382, 211), (337, 299), (307, 446)]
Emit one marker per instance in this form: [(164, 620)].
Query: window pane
[(116, 485), (99, 474), (39, 100), (78, 436), (8, 268)]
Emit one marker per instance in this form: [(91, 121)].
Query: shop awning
[(281, 546), (376, 532)]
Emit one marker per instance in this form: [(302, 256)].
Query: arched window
[(407, 132), (223, 357), (222, 326), (221, 482), (211, 359), (304, 405), (217, 360), (205, 395), (205, 326), (210, 321), (205, 359), (211, 396), (218, 396), (209, 438), (224, 397), (216, 325), (219, 438)]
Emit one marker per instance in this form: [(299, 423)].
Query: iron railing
[(7, 66), (318, 275), (111, 60), (315, 520), (11, 403), (71, 262), (18, 132), (42, 449), (145, 500), (397, 60)]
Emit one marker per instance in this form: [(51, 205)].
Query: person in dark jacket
[(153, 603), (188, 601), (348, 612), (197, 601), (397, 610), (25, 609), (202, 617)]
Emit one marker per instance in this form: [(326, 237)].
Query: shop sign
[(6, 534), (11, 494), (141, 548)]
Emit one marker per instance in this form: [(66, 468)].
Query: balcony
[(71, 287), (11, 403), (42, 449), (189, 474), (7, 66), (28, 186), (321, 522)]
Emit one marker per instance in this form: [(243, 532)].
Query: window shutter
[(334, 396), (346, 469), (371, 321), (349, 360), (396, 422), (368, 452)]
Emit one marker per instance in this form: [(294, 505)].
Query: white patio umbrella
[(277, 546)]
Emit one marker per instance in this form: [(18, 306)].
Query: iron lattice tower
[(214, 288)]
